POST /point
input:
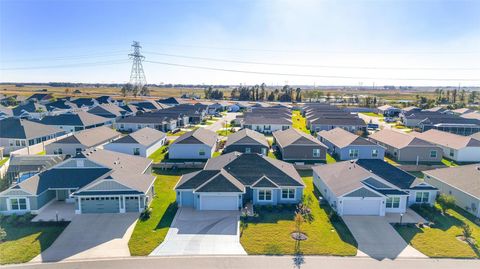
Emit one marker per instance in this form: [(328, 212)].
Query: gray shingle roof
[(201, 135), (80, 118), (145, 136), (25, 129), (464, 177), (246, 136), (341, 138), (293, 136), (90, 137)]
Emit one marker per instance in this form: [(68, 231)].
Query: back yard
[(269, 233)]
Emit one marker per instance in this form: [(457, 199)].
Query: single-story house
[(461, 111), (110, 111), (75, 121), (61, 106), (99, 181), (247, 141), (42, 98), (134, 123), (388, 110), (84, 102), (198, 144), (455, 147), (234, 179), (347, 146), (264, 124), (370, 187), (406, 148), (143, 142), (463, 182), (29, 110), (18, 133), (295, 145), (22, 167), (83, 140)]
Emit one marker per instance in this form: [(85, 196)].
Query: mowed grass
[(449, 163), (159, 154), (24, 242), (269, 234), (299, 122), (440, 241), (148, 234), (372, 114)]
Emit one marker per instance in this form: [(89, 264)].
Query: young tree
[(467, 232), (446, 202), (298, 222), (145, 91)]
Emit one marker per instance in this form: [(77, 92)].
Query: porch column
[(121, 201), (79, 202)]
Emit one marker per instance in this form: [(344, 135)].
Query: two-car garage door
[(100, 205), (226, 202), (362, 207)]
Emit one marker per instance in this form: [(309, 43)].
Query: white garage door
[(218, 202), (361, 207)]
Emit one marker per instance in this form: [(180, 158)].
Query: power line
[(314, 52), (308, 65), (68, 65), (61, 58), (305, 75)]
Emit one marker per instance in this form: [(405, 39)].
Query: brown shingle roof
[(447, 139), (244, 133), (341, 138), (293, 136), (202, 135), (397, 139), (464, 177)]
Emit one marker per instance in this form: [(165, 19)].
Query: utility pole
[(137, 76)]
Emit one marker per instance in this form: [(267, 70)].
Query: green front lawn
[(269, 233), (299, 122), (441, 239), (24, 242), (159, 154), (148, 234)]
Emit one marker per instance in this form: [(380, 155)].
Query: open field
[(390, 95)]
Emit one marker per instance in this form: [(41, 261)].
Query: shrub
[(3, 234), (145, 215), (466, 231), (445, 202), (12, 219), (333, 216)]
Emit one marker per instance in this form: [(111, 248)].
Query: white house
[(143, 142), (370, 187), (455, 147)]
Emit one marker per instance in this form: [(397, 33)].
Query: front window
[(374, 153), (393, 202), (422, 197), (433, 154), (248, 150), (288, 194), (264, 151), (18, 203), (265, 195), (201, 152), (353, 153), (452, 153), (78, 150), (136, 151), (316, 153)]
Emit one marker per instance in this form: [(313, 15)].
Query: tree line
[(261, 93), (129, 89)]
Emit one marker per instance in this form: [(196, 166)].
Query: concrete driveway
[(377, 238), (202, 233), (90, 236)]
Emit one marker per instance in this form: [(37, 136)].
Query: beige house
[(406, 148), (463, 182)]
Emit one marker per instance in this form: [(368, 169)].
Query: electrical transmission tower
[(137, 76)]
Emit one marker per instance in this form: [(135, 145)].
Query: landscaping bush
[(145, 215), (446, 202), (12, 219), (24, 219), (333, 216), (3, 234)]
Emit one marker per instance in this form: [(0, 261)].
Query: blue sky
[(88, 41)]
